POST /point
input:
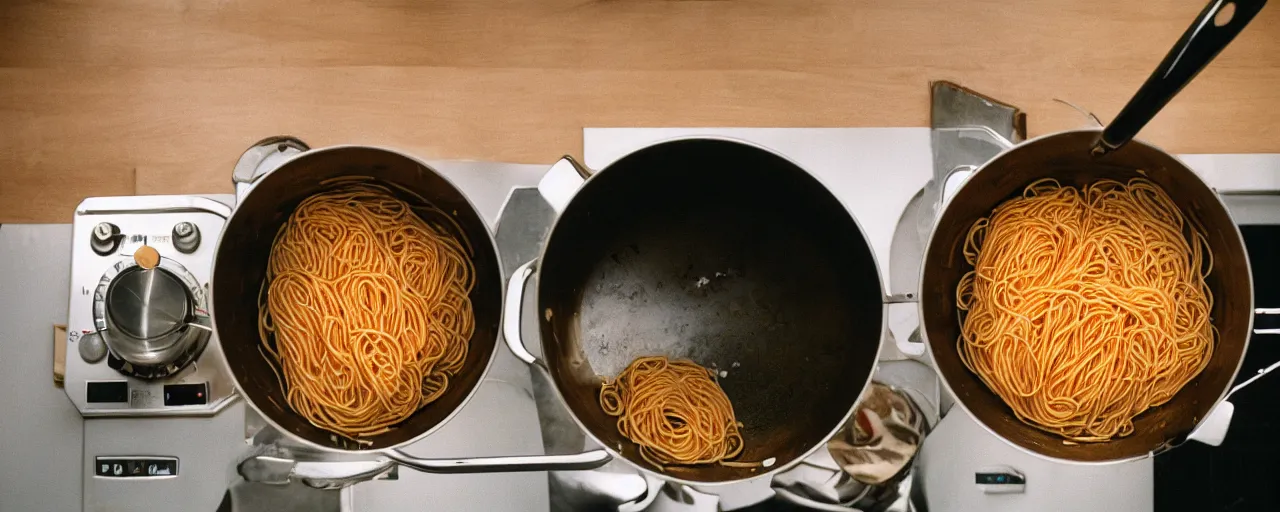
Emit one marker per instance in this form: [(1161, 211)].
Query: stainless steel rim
[(960, 403), (488, 362), (768, 472)]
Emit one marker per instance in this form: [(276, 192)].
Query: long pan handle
[(1215, 28), (578, 461), (339, 474)]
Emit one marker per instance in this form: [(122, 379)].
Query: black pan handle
[(1212, 31)]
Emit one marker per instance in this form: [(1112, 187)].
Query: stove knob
[(105, 239), (186, 237), (92, 348)]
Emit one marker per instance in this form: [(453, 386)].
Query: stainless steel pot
[(1199, 410), (718, 251), (238, 271)]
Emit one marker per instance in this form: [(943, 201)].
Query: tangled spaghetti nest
[(1086, 307), (366, 311), (675, 412)]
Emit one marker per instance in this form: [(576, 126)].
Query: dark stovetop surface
[(1239, 475)]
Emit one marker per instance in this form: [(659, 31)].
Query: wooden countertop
[(160, 97)]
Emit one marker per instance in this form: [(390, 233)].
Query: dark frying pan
[(717, 251), (1079, 158)]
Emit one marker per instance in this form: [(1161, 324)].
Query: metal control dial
[(105, 238), (186, 237), (154, 320), (92, 348)]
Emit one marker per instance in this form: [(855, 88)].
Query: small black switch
[(998, 478), (107, 392), (186, 394), (162, 467), (104, 467)]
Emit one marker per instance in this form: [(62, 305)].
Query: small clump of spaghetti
[(675, 412), (1086, 306), (365, 311)]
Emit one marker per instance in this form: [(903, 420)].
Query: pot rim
[(777, 468), (1169, 444), (488, 364)]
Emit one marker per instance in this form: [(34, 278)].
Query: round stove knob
[(152, 317), (105, 238), (147, 304), (92, 348), (186, 237)]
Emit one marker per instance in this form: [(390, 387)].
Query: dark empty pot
[(721, 252)]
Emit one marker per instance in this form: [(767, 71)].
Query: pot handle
[(948, 181), (511, 319), (1215, 28), (1213, 429), (511, 313), (509, 464), (562, 181), (275, 470), (339, 474), (262, 157)]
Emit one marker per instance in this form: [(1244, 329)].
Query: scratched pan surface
[(728, 255)]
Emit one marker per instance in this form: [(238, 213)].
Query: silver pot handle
[(511, 321), (274, 470), (510, 464), (262, 157), (948, 181), (1213, 429), (562, 181), (338, 474)]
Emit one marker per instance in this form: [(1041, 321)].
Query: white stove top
[(875, 171)]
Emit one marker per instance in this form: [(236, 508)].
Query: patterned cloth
[(882, 438), (867, 463)]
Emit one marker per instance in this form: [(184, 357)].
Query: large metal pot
[(1079, 158), (239, 267), (721, 252)]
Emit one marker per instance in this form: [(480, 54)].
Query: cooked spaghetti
[(366, 313), (675, 412), (1086, 306)]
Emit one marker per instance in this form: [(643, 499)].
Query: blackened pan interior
[(241, 262), (1066, 157), (728, 255)]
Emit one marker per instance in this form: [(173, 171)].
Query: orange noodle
[(366, 311), (1086, 306), (675, 411)]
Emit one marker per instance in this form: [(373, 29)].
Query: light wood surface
[(161, 96)]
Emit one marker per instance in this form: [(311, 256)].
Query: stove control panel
[(135, 467), (131, 355)]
